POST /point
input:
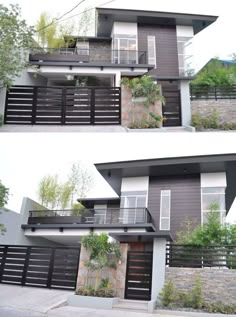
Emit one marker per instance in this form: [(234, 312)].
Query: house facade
[(67, 85)]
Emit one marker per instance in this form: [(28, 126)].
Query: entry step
[(131, 305)]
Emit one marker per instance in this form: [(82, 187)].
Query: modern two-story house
[(155, 195), (153, 199), (80, 84)]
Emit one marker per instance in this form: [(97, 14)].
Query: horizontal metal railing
[(180, 255), (212, 92), (90, 55), (110, 216)]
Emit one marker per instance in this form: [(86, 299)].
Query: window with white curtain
[(133, 206), (151, 50), (165, 205)]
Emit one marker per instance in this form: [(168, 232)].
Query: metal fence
[(198, 92), (179, 255)]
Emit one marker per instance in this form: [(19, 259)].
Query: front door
[(171, 111), (138, 284)]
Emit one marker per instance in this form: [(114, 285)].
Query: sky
[(26, 157), (215, 41)]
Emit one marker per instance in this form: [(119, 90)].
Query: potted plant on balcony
[(144, 92), (103, 255)]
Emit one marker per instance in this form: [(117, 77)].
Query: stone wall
[(218, 285), (226, 108), (136, 112), (116, 276), (100, 51)]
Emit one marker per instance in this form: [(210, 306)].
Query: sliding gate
[(32, 105), (39, 266)]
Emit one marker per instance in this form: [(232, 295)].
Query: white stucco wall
[(213, 180), (135, 184)]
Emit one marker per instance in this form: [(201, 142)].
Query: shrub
[(168, 294), (172, 297), (90, 291), (196, 294), (219, 307), (207, 122)]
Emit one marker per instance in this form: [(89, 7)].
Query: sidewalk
[(68, 311)]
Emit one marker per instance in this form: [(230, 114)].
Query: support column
[(3, 92), (185, 103), (117, 79), (158, 267)]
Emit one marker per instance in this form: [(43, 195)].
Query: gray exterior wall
[(185, 199), (166, 48), (11, 221), (29, 79), (218, 285)]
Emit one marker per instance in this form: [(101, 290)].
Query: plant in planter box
[(103, 254), (144, 87)]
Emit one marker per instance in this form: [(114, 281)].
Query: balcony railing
[(114, 216), (88, 55)]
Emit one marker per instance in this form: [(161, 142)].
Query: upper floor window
[(213, 200), (151, 40), (82, 48), (133, 207), (165, 205), (125, 49)]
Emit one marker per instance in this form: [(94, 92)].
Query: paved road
[(11, 312)]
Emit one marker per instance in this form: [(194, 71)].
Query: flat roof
[(140, 236), (106, 17)]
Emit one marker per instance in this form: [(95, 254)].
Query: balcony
[(92, 218), (91, 56)]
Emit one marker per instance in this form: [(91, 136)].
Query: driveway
[(38, 300)]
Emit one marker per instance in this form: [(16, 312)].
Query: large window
[(124, 49), (151, 50), (185, 55), (165, 206), (133, 206), (213, 200)]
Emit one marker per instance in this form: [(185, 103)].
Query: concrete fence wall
[(218, 285), (226, 108)]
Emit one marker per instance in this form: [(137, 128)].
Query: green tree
[(81, 180), (50, 34), (4, 194), (216, 74), (103, 254), (211, 233), (16, 39), (54, 194)]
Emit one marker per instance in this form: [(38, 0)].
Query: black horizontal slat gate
[(171, 111), (63, 105), (50, 267), (139, 275)]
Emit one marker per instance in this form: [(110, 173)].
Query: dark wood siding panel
[(185, 199), (166, 48)]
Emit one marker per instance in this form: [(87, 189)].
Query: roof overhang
[(140, 237), (107, 16), (164, 167)]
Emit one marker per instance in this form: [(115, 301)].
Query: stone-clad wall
[(226, 108), (116, 276), (135, 112), (218, 285)]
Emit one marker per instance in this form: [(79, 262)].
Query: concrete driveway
[(39, 300)]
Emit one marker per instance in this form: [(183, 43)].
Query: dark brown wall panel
[(185, 199), (166, 48)]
